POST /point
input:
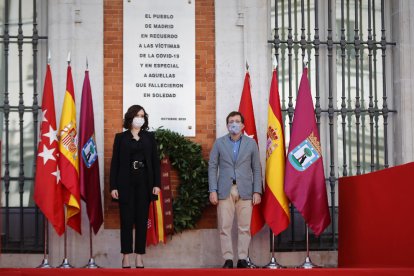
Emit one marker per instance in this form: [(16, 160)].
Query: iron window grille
[(346, 44), (21, 46)]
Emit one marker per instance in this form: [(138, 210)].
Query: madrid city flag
[(90, 187), (246, 108), (48, 188), (275, 205), (68, 158), (304, 178)]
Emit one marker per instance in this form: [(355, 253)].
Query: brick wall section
[(205, 94)]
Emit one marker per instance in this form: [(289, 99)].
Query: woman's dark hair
[(235, 113), (131, 113)]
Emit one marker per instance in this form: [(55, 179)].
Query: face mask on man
[(137, 122), (234, 128)]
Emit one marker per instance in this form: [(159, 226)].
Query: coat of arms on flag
[(273, 140), (306, 153), (89, 153), (69, 138)]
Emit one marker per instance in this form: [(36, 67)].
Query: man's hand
[(114, 194), (257, 198), (213, 198)]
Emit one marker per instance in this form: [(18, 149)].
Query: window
[(349, 68), (21, 45)]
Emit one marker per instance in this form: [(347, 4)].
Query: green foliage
[(185, 156)]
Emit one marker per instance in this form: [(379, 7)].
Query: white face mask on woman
[(138, 122)]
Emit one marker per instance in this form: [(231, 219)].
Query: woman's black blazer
[(121, 163)]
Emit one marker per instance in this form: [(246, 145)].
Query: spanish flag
[(275, 203), (68, 158), (155, 226)]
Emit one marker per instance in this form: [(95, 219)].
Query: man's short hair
[(234, 113)]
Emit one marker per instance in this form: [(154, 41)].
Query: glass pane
[(357, 144), (23, 233), (26, 55), (27, 148)]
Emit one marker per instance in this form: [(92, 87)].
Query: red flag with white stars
[(48, 188), (246, 108)]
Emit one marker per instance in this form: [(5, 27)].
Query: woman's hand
[(156, 190), (114, 194)]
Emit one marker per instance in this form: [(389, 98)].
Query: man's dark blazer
[(121, 163)]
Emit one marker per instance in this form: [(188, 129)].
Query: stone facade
[(228, 33)]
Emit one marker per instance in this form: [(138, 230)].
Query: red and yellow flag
[(69, 159), (156, 231), (155, 228), (275, 203)]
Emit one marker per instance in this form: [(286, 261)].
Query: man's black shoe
[(242, 264), (228, 264)]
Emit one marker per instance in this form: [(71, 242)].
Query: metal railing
[(352, 114), (22, 223)]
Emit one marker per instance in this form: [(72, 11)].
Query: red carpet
[(207, 272)]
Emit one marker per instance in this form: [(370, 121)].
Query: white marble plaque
[(159, 62)]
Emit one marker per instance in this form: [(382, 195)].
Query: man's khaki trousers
[(225, 216)]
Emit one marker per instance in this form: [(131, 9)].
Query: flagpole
[(91, 262), (65, 262), (308, 264), (273, 264), (45, 262), (250, 263)]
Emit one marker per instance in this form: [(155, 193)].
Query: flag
[(246, 108), (161, 208), (68, 157), (275, 204), (47, 186), (305, 179), (155, 230), (90, 187), (152, 238)]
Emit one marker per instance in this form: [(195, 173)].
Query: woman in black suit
[(134, 180)]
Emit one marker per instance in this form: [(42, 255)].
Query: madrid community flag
[(246, 108), (68, 158), (305, 179), (90, 187), (275, 205), (48, 188)]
